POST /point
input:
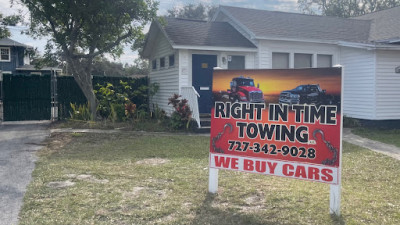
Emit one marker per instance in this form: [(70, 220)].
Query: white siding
[(184, 69), (167, 78), (387, 85), (359, 83), (185, 65), (248, 59), (266, 48)]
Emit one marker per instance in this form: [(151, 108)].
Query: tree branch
[(105, 49)]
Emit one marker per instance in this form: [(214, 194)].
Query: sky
[(129, 56)]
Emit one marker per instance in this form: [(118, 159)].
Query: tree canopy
[(104, 67), (193, 11), (345, 8), (5, 21), (85, 29)]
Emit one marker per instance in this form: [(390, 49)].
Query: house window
[(154, 64), (236, 62), (5, 54), (302, 60), (324, 60), (162, 62), (280, 60), (171, 60)]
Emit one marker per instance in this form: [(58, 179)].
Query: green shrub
[(158, 113), (117, 113), (351, 122), (118, 98), (80, 112)]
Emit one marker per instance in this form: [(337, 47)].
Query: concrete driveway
[(18, 143)]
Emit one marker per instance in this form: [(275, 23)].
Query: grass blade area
[(149, 179), (388, 136)]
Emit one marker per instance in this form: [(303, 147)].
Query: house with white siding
[(183, 53)]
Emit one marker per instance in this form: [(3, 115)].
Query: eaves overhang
[(369, 46), (215, 48)]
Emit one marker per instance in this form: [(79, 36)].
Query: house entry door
[(26, 97), (202, 70)]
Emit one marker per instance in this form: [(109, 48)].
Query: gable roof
[(385, 25), (194, 34), (264, 24), (203, 33), (10, 42)]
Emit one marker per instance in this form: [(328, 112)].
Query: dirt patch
[(152, 161), (55, 143), (255, 199), (160, 193), (159, 181), (60, 184), (253, 203), (90, 178), (165, 219), (87, 177), (71, 175), (134, 193)]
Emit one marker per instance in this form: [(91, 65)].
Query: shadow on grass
[(208, 214), (337, 219), (117, 147)]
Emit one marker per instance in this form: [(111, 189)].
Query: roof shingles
[(10, 42), (385, 24), (202, 33), (272, 24)]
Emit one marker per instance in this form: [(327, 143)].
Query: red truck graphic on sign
[(243, 90)]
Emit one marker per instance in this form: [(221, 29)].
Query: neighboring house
[(12, 55), (15, 60), (183, 52)]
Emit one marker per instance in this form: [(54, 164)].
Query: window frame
[(331, 58), (311, 55), (232, 56), (154, 64), (162, 61), (9, 54), (169, 60), (280, 53)]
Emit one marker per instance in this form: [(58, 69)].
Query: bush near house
[(119, 98), (182, 116)]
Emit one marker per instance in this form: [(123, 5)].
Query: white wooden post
[(334, 203), (213, 180), (336, 189)]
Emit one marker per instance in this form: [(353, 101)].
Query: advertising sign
[(284, 123)]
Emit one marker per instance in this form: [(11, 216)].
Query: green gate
[(26, 97)]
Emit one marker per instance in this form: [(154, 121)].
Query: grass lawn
[(389, 136), (148, 179), (150, 125)]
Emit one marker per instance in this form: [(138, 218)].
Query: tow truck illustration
[(243, 90)]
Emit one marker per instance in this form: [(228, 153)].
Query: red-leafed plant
[(182, 114), (130, 110)]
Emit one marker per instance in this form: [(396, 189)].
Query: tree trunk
[(83, 78), (91, 98)]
